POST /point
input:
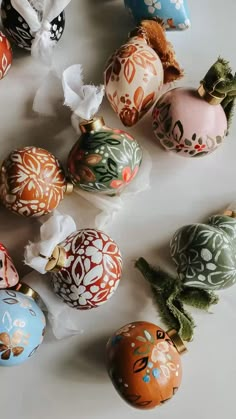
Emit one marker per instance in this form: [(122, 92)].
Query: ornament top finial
[(27, 291), (57, 261), (177, 341), (93, 124)]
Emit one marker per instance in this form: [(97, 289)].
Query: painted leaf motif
[(33, 351), (101, 295), (178, 131), (140, 364), (148, 101), (138, 97), (149, 55), (116, 67), (32, 312), (139, 60), (118, 155), (10, 301), (148, 336), (143, 350), (7, 321), (151, 68), (5, 339), (112, 166), (3, 348), (6, 355), (129, 71), (141, 339), (93, 275), (165, 371), (11, 293), (93, 159), (17, 351)]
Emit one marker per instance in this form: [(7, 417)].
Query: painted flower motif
[(178, 3), (19, 323), (200, 147), (190, 265), (80, 294), (185, 25), (125, 330), (8, 345), (129, 116), (153, 5), (95, 251), (158, 352), (127, 177)]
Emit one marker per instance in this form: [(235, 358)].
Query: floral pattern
[(173, 13), (5, 55), (143, 364), (8, 273), (92, 272), (104, 161), (32, 182), (171, 133), (205, 253), (133, 79), (22, 327), (18, 29)]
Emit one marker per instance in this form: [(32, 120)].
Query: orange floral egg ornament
[(144, 365), (5, 55), (32, 182)]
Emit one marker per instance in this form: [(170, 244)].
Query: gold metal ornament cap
[(94, 124), (210, 97), (69, 188), (177, 341), (26, 290), (57, 261)]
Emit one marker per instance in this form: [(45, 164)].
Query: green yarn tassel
[(170, 295), (220, 81)]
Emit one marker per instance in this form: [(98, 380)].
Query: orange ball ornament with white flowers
[(5, 55)]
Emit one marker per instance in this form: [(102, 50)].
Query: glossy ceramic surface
[(32, 182), (185, 123), (143, 365), (22, 327), (133, 79), (5, 55), (106, 160), (8, 273), (174, 13), (205, 254), (92, 270), (18, 29)]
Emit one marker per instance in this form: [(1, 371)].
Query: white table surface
[(67, 379)]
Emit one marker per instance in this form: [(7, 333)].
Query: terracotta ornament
[(135, 73), (22, 325), (173, 13), (85, 265), (8, 273), (144, 364), (32, 182), (194, 123), (5, 55)]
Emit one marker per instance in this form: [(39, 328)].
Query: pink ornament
[(185, 123), (8, 274)]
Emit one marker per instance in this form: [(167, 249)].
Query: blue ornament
[(22, 325), (174, 13)]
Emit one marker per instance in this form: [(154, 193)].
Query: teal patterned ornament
[(205, 254), (103, 160)]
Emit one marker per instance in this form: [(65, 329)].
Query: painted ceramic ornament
[(5, 55), (144, 364), (205, 254), (135, 73), (19, 30), (194, 123), (173, 13), (85, 265), (8, 273), (104, 159), (32, 182), (22, 325)]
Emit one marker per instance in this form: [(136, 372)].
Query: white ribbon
[(42, 44), (84, 100), (52, 233)]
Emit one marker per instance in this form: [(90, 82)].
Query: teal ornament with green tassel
[(192, 122)]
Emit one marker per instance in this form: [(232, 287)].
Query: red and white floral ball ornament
[(5, 55), (92, 269)]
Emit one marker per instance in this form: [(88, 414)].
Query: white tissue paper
[(40, 26), (56, 229), (84, 101)]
